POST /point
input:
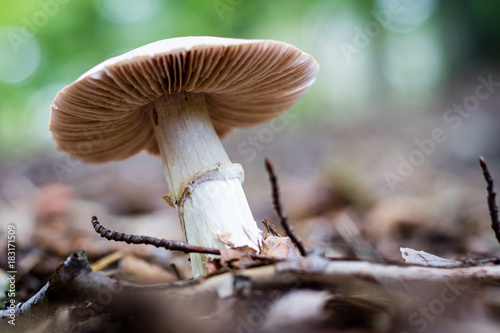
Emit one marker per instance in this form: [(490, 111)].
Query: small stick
[(176, 271), (278, 207), (166, 244), (73, 281), (495, 223)]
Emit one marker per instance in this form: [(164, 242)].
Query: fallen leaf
[(238, 257), (281, 247), (137, 270), (213, 265), (426, 259)]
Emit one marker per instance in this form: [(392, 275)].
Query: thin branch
[(177, 272), (495, 223), (278, 206), (73, 281), (136, 239), (163, 243)]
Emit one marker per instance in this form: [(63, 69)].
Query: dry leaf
[(281, 247), (139, 271), (426, 259), (238, 257), (213, 265)]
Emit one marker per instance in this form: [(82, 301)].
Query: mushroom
[(176, 98)]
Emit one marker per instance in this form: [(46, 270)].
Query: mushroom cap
[(105, 114)]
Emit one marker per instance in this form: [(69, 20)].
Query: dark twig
[(73, 281), (278, 206), (495, 223), (135, 239), (176, 271), (271, 229), (166, 244)]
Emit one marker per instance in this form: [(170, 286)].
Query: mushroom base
[(220, 222), (204, 185)]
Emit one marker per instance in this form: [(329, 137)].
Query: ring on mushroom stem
[(176, 98)]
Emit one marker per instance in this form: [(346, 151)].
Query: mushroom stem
[(205, 187)]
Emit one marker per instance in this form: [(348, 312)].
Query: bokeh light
[(410, 14), (19, 53), (127, 11), (327, 27), (412, 62)]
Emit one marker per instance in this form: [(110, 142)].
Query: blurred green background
[(373, 54)]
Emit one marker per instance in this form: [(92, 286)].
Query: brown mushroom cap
[(105, 114)]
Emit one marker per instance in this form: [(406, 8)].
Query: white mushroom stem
[(204, 185)]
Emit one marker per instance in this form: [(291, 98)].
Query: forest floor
[(364, 215)]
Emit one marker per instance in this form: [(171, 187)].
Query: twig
[(136, 239), (278, 206), (163, 243), (271, 229), (73, 281), (176, 271), (495, 223)]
